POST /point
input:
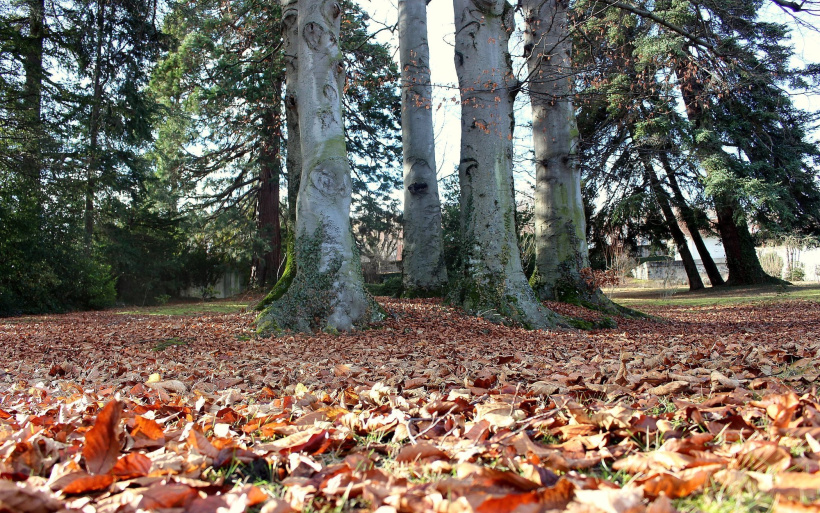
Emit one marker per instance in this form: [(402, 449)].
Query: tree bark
[(695, 281), (33, 90), (493, 283), (561, 250), (94, 124), (328, 290), (689, 217), (741, 255), (266, 266), (293, 145), (425, 273)]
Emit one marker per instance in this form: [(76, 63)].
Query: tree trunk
[(695, 281), (560, 224), (493, 283), (425, 273), (33, 91), (290, 36), (689, 217), (741, 256), (328, 290), (266, 266), (94, 125)]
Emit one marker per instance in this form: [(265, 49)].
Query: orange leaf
[(131, 466), (102, 448), (198, 441), (147, 433), (422, 451), (673, 486), (162, 496), (86, 483)]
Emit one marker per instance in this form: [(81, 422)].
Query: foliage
[(649, 415)]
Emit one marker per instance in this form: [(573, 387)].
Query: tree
[(328, 289), (425, 273), (290, 36), (560, 232), (561, 251), (222, 86), (492, 282)]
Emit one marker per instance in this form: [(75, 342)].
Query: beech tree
[(493, 283), (425, 273), (328, 289), (561, 251), (560, 228)]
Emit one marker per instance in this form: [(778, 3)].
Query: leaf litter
[(429, 411)]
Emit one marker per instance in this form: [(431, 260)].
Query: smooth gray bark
[(328, 290), (560, 225), (493, 283), (425, 273)]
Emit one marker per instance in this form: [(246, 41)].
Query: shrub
[(797, 272)]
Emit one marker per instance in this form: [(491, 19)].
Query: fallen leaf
[(102, 446)]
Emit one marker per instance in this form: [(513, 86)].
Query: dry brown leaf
[(102, 445), (422, 451), (23, 498)]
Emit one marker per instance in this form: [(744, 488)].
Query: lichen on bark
[(561, 251), (319, 295)]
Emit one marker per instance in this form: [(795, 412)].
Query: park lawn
[(680, 296), (710, 405)]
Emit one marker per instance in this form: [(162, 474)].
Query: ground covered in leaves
[(703, 408)]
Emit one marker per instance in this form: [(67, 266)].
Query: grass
[(723, 296), (165, 344), (721, 500)]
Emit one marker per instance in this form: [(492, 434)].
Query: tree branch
[(671, 26)]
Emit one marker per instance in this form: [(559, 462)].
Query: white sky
[(440, 37)]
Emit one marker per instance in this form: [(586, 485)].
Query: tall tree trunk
[(290, 36), (695, 281), (689, 217), (266, 266), (94, 125), (425, 273), (741, 256), (561, 250), (493, 282), (328, 289), (33, 91)]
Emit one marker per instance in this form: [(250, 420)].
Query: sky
[(440, 37)]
